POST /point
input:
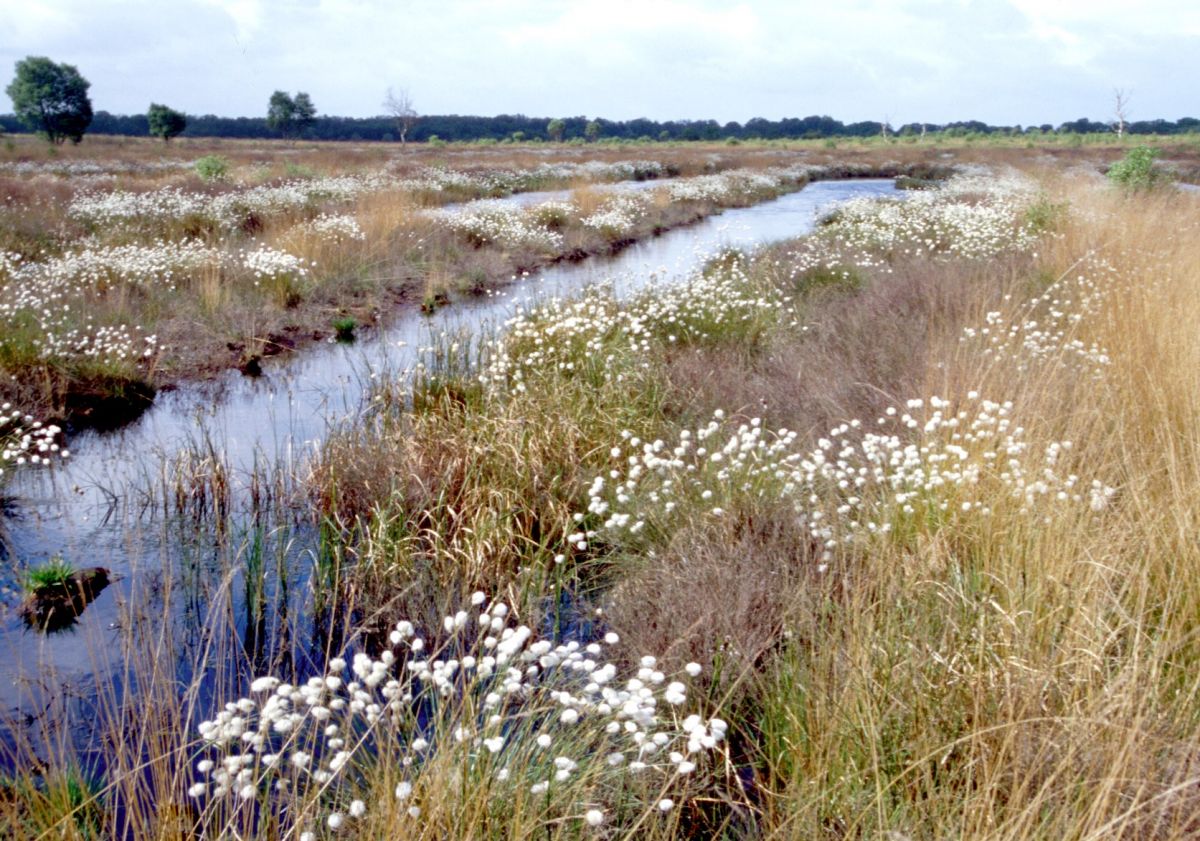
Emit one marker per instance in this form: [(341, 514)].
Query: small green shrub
[(299, 171), (1136, 170), (212, 167), (1044, 214)]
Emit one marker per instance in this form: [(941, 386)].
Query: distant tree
[(555, 129), (165, 122), (592, 132), (281, 112), (305, 114), (1120, 111), (51, 99), (290, 116), (399, 105)]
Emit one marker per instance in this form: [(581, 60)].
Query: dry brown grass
[(862, 350), (721, 594), (587, 199)]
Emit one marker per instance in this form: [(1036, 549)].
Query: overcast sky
[(1001, 61)]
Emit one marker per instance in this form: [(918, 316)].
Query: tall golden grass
[(1031, 679)]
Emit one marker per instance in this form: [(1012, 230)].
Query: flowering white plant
[(559, 720)]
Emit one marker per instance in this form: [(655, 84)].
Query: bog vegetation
[(119, 276), (880, 532)]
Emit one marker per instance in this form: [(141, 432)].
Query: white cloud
[(35, 20), (616, 20), (247, 15), (1081, 33)]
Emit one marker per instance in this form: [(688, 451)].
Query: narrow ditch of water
[(104, 507)]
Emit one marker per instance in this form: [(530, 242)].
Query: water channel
[(103, 506)]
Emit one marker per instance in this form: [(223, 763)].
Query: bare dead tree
[(1121, 99), (400, 106)]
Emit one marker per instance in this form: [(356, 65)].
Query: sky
[(1001, 61)]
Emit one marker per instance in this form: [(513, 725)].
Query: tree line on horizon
[(52, 99), (521, 127), (455, 127)]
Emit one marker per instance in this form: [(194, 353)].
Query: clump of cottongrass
[(54, 294), (562, 722), (337, 227), (928, 461), (24, 440), (594, 330), (618, 215), (1048, 328), (267, 263), (971, 216), (490, 222)]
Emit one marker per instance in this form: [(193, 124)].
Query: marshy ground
[(884, 531), (149, 264)]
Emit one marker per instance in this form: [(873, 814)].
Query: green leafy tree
[(290, 116), (51, 99), (165, 122), (281, 111), (305, 114), (592, 130), (555, 129)]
